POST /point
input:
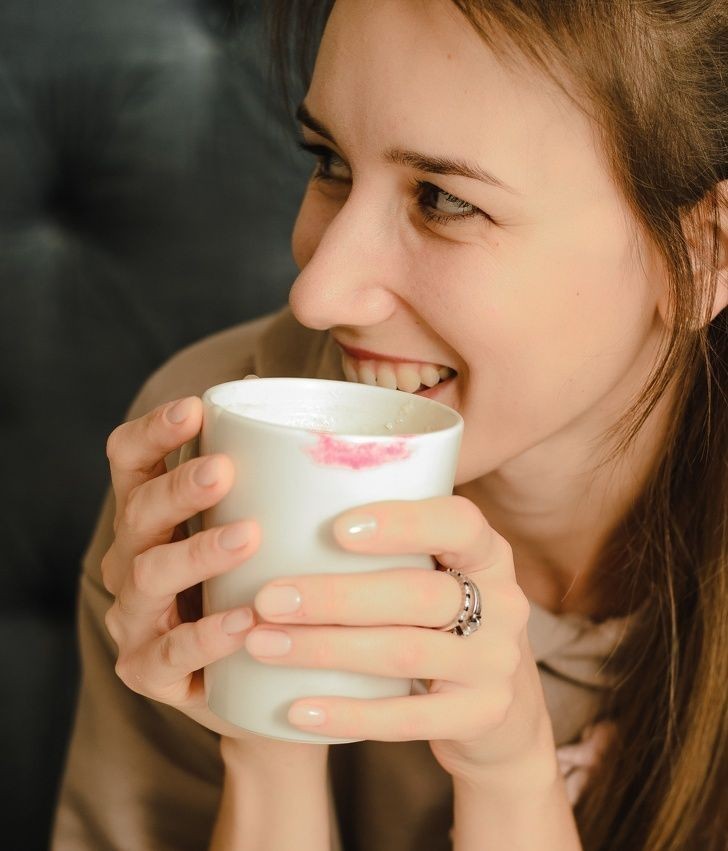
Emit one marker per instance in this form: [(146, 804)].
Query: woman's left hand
[(484, 708)]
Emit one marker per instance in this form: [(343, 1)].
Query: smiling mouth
[(409, 377)]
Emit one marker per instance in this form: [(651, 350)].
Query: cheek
[(546, 336), (564, 303)]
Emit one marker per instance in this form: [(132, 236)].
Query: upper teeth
[(396, 376)]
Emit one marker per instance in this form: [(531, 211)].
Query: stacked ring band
[(469, 618)]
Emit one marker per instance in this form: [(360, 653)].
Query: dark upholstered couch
[(148, 187)]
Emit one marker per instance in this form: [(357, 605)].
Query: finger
[(136, 449), (451, 528), (404, 652), (155, 508), (456, 715), (158, 575), (163, 669), (408, 596)]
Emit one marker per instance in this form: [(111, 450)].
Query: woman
[(532, 195)]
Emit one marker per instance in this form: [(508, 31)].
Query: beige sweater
[(143, 777)]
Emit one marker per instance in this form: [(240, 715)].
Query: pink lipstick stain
[(356, 456)]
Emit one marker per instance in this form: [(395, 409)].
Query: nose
[(351, 276)]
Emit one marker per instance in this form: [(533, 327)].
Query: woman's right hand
[(274, 795), (151, 568)]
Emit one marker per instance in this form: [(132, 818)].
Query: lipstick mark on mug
[(333, 452)]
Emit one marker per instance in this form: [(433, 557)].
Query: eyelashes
[(427, 197), (426, 194)]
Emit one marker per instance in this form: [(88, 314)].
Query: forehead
[(414, 73)]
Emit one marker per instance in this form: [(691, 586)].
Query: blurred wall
[(148, 187)]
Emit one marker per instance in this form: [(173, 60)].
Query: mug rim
[(456, 424)]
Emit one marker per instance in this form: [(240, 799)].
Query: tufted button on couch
[(148, 187)]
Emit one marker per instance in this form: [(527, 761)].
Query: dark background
[(148, 186)]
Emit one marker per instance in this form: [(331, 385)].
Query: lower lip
[(431, 392)]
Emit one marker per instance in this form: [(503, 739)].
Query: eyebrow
[(413, 159)]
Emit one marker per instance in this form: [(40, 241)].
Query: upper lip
[(365, 354)]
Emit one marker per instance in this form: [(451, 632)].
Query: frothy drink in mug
[(305, 451)]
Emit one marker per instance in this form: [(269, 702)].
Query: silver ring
[(469, 618)]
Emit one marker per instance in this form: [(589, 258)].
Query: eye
[(439, 206), (329, 166), (435, 204)]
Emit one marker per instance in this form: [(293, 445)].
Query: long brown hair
[(652, 75)]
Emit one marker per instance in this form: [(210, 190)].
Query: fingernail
[(207, 473), (359, 526), (306, 716), (268, 642), (237, 621), (278, 600), (179, 412), (234, 537)]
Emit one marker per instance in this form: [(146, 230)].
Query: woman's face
[(522, 273)]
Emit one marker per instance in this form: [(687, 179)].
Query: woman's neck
[(558, 514)]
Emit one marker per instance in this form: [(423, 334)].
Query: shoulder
[(273, 345), (223, 356)]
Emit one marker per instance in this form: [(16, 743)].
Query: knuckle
[(106, 570), (111, 622), (131, 515), (168, 651), (168, 620), (470, 516), (122, 671), (114, 443), (520, 608), (502, 548), (158, 417), (142, 574), (198, 548)]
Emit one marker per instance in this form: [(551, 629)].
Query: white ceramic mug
[(304, 451)]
